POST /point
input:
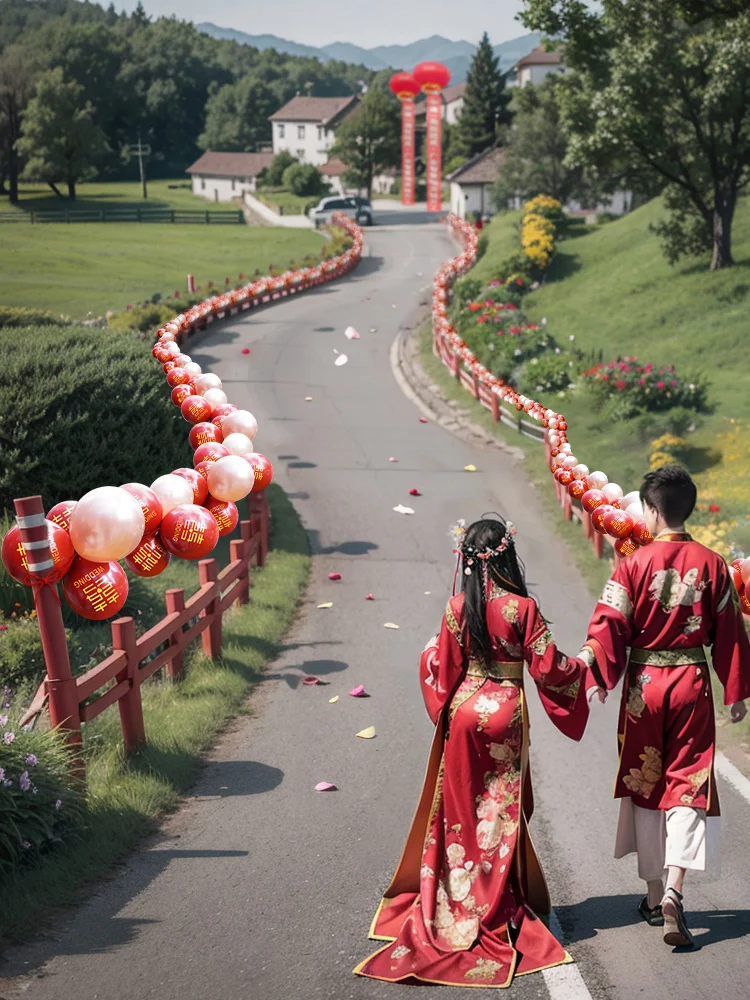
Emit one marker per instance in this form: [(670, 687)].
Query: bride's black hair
[(503, 567)]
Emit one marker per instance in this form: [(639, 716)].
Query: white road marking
[(564, 982), (732, 774)]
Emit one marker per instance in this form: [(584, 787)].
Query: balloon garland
[(183, 513), (612, 511)]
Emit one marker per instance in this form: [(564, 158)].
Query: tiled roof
[(540, 57), (482, 169), (312, 109), (333, 168), (449, 94), (231, 164)]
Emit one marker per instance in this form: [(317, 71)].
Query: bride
[(464, 906)]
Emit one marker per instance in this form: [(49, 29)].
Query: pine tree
[(485, 108)]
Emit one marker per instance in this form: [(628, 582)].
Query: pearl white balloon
[(171, 347), (208, 381), (231, 478), (237, 444), (192, 368), (613, 493), (632, 497), (566, 448), (597, 480), (240, 422), (635, 509), (554, 439), (580, 471), (166, 337), (181, 360), (106, 524), (215, 397), (172, 491)]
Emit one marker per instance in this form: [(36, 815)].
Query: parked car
[(355, 208)]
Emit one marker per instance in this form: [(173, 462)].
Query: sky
[(365, 22)]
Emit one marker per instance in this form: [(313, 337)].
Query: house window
[(233, 183), (300, 131), (301, 155), (281, 130), (321, 132)]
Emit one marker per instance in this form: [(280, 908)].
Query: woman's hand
[(597, 692)]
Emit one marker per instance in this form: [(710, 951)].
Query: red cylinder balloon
[(597, 517), (625, 546), (225, 512), (204, 433), (195, 409), (16, 560), (189, 531), (177, 376), (641, 534), (180, 393), (618, 523), (62, 512), (210, 452), (262, 468), (150, 504), (197, 482), (150, 558), (592, 499), (95, 590)]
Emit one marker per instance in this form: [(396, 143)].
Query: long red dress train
[(464, 906)]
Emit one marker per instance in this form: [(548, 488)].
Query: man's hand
[(597, 692), (738, 711)]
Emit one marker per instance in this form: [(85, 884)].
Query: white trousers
[(682, 836)]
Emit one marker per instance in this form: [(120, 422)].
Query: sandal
[(651, 914), (676, 933)]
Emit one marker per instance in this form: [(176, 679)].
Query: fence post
[(475, 385), (207, 217), (495, 407), (567, 507), (211, 636), (175, 600), (130, 705), (238, 553), (61, 686), (137, 215), (598, 544), (171, 216)]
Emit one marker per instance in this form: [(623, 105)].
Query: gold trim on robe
[(668, 657)]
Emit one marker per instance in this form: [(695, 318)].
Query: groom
[(664, 604)]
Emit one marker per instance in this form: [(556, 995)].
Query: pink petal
[(325, 786), (423, 420), (414, 492), (392, 459), (334, 576), (245, 350), (369, 597), (310, 680), (357, 692)]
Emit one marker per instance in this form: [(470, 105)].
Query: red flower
[(605, 378), (519, 282), (659, 385), (714, 508), (641, 381), (621, 384)]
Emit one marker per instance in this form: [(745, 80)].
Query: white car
[(358, 209)]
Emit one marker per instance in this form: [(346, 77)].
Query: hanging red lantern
[(204, 433), (197, 482), (225, 512), (95, 590), (150, 504), (150, 558), (189, 531), (431, 76), (16, 559), (62, 512)]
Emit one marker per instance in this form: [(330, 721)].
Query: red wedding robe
[(463, 907), (673, 597)]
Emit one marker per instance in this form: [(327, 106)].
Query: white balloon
[(172, 491), (240, 422), (238, 444), (192, 368), (612, 491), (570, 462), (216, 397), (580, 471), (635, 509), (597, 480), (632, 497), (107, 524), (208, 381)]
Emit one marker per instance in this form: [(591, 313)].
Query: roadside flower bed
[(644, 387)]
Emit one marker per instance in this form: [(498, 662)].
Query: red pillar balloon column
[(432, 77), (405, 87)]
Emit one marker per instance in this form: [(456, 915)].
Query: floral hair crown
[(469, 553)]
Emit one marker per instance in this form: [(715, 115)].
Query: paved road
[(262, 889)]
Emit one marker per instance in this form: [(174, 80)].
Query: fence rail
[(166, 215)]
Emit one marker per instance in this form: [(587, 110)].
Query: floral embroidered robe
[(666, 602), (463, 907)]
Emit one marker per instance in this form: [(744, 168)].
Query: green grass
[(290, 204), (126, 799), (175, 193)]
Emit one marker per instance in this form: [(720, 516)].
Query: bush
[(465, 290), (547, 373), (304, 179), (94, 411), (517, 265), (38, 804), (272, 176), (637, 388), (21, 658), (144, 318), (13, 316)]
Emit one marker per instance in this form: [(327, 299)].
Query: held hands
[(597, 692), (737, 711)]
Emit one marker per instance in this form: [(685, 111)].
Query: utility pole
[(140, 150)]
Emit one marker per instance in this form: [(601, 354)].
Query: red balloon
[(577, 488), (150, 504), (563, 476), (197, 482), (225, 512), (202, 468), (180, 393), (263, 470), (592, 499), (217, 421), (737, 564), (641, 534), (189, 531), (737, 580), (177, 376), (432, 76), (210, 452), (162, 356), (744, 603), (167, 367), (597, 517), (204, 433), (195, 409), (618, 523), (62, 512), (625, 546), (16, 560), (404, 85), (223, 409), (150, 558), (95, 590)]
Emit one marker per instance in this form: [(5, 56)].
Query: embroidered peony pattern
[(642, 780)]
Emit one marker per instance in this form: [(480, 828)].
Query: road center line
[(732, 774), (564, 982)]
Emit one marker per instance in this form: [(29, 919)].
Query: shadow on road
[(226, 778), (353, 548)]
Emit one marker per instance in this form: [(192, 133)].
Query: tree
[(486, 100), (60, 137), (273, 176), (304, 179), (536, 149), (662, 85), (369, 140), (15, 88), (237, 116)]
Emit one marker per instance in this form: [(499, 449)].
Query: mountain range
[(456, 56)]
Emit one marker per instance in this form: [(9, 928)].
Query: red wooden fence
[(118, 678)]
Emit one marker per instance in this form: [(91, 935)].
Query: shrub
[(94, 411), (38, 804), (518, 264), (21, 316), (272, 176), (644, 388), (21, 658), (465, 290), (144, 318), (547, 373), (304, 179), (546, 206)]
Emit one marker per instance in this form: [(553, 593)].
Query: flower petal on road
[(325, 786), (470, 468), (334, 576), (367, 734), (400, 509), (332, 701), (311, 679), (358, 691), (341, 360), (326, 604), (390, 625), (351, 334)]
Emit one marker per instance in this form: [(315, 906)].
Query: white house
[(534, 67), (223, 176), (331, 172), (471, 184), (305, 127), (453, 102)]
